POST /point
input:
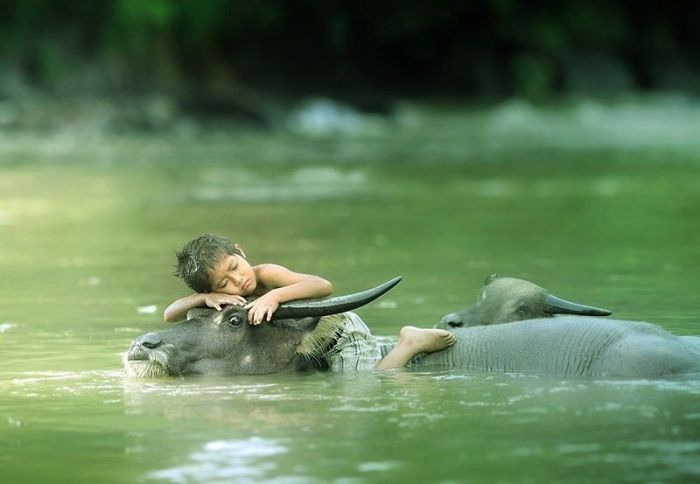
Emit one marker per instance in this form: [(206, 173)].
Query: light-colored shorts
[(356, 349)]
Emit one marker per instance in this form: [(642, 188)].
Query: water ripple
[(242, 460)]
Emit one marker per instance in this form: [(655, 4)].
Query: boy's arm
[(287, 286), (178, 309)]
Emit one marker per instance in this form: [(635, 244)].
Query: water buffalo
[(222, 343), (571, 346), (505, 299)]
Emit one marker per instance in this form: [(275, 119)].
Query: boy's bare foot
[(421, 340), (412, 341)]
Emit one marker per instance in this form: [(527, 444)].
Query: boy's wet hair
[(199, 256)]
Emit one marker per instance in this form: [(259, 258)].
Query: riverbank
[(659, 128)]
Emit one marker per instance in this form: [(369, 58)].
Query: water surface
[(597, 203)]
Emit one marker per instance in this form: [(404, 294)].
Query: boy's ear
[(240, 249)]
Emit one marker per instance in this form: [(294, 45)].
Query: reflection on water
[(247, 460), (304, 184), (394, 424), (88, 230)]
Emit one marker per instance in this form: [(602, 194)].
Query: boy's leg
[(412, 341), (355, 349)]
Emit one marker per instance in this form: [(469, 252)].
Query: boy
[(217, 269)]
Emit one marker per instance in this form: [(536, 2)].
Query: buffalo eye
[(524, 309), (235, 320)]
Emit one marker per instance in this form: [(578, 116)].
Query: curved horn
[(334, 305), (557, 305)]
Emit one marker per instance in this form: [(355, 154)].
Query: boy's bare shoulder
[(266, 269), (271, 276)]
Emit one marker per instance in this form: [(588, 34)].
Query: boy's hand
[(217, 299), (262, 308)]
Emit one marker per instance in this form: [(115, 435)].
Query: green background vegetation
[(489, 48)]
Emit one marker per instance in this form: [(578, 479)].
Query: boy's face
[(233, 275)]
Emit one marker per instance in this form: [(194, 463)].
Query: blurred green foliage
[(485, 47)]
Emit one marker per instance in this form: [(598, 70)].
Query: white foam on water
[(42, 376), (453, 377), (57, 381), (307, 183), (688, 384), (239, 460), (5, 218), (387, 304), (578, 448), (377, 466), (150, 309), (660, 120), (323, 116), (354, 408)]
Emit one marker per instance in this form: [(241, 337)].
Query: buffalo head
[(506, 299)]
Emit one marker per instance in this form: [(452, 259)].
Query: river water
[(598, 203)]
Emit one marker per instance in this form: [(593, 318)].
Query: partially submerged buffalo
[(571, 346), (222, 343)]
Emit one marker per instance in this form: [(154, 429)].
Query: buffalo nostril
[(150, 340)]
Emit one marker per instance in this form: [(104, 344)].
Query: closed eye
[(523, 309)]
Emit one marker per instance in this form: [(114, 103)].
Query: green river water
[(598, 203)]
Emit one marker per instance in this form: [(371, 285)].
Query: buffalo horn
[(557, 305), (334, 305)]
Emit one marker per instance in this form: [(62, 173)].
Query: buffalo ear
[(490, 278)]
